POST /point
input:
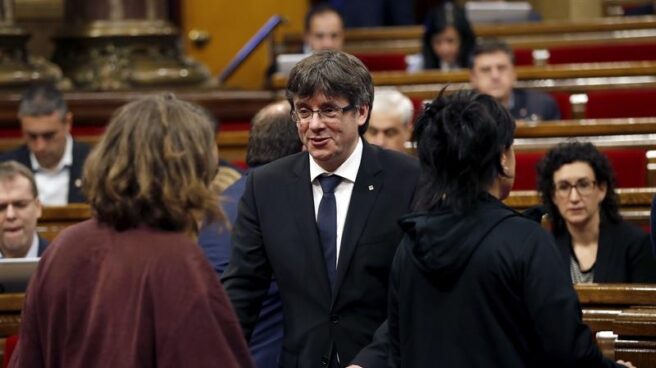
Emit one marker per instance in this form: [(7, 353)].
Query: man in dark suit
[(324, 222), (493, 72), (49, 150), (20, 209)]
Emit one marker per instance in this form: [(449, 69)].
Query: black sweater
[(484, 290)]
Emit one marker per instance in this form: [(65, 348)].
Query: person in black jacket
[(577, 185), (472, 283)]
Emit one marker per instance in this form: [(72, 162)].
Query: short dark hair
[(41, 99), (273, 135), (460, 140), (335, 74), (492, 45), (321, 8), (438, 19), (567, 153)]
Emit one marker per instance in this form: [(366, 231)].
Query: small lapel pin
[(371, 187), (78, 183)]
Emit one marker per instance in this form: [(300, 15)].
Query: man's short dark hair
[(42, 99), (334, 74), (318, 9), (273, 135), (491, 46)]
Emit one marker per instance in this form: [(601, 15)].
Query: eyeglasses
[(328, 112), (584, 187)]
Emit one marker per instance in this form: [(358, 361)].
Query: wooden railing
[(407, 40), (524, 73)]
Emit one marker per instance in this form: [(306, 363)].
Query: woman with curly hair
[(130, 287), (577, 185)]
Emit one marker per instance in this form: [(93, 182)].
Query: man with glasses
[(324, 222), (50, 151), (19, 211)]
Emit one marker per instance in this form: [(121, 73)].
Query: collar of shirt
[(33, 252), (66, 161), (347, 170)]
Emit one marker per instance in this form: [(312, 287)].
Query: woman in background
[(130, 287), (577, 185), (448, 40), (472, 282)]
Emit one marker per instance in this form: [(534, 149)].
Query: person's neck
[(585, 234), (505, 101)]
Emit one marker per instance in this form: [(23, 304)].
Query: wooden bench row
[(634, 203), (629, 311), (407, 39)]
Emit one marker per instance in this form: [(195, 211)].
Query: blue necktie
[(327, 223)]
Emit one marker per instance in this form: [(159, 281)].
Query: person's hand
[(626, 364)]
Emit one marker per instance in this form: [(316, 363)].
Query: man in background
[(391, 116), (49, 150), (493, 73), (273, 135), (324, 29), (20, 209)]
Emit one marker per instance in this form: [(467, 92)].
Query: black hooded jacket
[(485, 289)]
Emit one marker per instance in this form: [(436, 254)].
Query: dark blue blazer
[(80, 153), (43, 244), (534, 105), (266, 341)]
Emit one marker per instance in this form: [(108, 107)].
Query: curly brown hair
[(153, 166)]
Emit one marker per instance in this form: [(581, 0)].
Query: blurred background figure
[(324, 29), (493, 72), (577, 185), (49, 150), (376, 13), (130, 287), (390, 124), (273, 135), (20, 209), (448, 40), (466, 254)]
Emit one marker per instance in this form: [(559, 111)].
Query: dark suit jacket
[(43, 244), (624, 254), (266, 341), (276, 232), (534, 105), (80, 153)]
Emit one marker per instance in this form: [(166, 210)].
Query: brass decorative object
[(17, 68), (119, 44)]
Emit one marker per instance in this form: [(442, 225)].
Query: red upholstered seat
[(630, 165), (591, 53), (383, 62), (621, 103), (10, 345)]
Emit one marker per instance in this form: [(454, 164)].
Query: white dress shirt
[(348, 171), (53, 184)]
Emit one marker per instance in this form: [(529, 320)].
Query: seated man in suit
[(324, 29), (324, 221), (50, 151), (391, 119), (493, 72), (20, 209), (273, 135)]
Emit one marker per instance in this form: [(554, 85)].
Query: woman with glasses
[(577, 186)]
